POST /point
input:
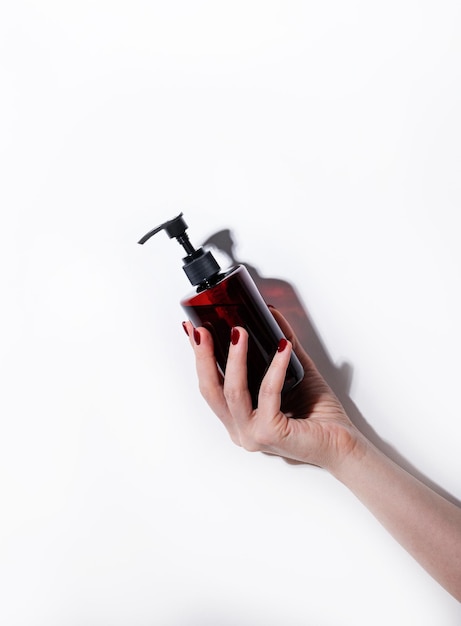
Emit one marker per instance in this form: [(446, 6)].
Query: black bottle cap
[(199, 265)]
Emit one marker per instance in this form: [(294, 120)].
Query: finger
[(286, 328), (210, 378), (236, 391), (289, 333), (189, 330), (270, 392)]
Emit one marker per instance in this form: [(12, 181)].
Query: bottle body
[(234, 300)]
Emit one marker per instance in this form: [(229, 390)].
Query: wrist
[(352, 449)]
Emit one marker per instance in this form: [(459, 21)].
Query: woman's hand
[(425, 523), (321, 435)]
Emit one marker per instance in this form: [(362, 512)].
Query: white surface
[(337, 123)]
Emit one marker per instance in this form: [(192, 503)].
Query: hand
[(321, 434), (425, 523)]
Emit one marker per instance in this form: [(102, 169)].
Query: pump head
[(199, 265)]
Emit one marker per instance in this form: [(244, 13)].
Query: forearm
[(427, 525)]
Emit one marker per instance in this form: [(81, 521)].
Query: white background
[(327, 137)]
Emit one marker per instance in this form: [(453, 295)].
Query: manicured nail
[(282, 344), (235, 335), (184, 325), (196, 337)]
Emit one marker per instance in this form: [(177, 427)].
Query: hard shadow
[(284, 297)]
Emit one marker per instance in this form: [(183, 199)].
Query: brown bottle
[(226, 299)]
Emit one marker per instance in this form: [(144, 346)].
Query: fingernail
[(235, 335), (196, 337), (185, 328), (282, 344)]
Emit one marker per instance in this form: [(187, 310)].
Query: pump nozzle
[(174, 228), (199, 265)]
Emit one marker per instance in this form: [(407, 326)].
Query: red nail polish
[(185, 328), (196, 336), (235, 336), (282, 344)]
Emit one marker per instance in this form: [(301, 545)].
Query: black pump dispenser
[(200, 266)]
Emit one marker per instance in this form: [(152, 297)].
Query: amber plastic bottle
[(226, 299)]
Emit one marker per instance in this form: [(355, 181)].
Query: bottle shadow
[(283, 296)]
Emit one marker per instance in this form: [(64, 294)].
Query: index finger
[(209, 377)]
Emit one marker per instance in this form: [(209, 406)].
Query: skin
[(426, 524)]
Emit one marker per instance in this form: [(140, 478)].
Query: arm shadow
[(284, 297)]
